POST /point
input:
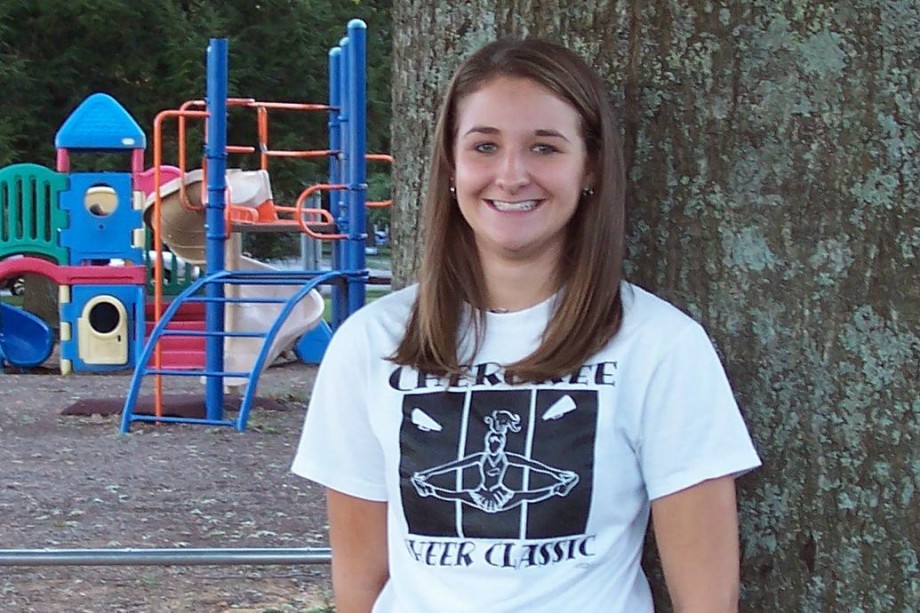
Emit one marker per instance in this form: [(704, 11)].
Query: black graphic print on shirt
[(498, 464)]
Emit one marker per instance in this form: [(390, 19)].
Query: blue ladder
[(309, 279)]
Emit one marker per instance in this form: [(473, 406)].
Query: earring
[(587, 192), (453, 191)]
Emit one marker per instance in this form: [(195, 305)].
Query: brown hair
[(588, 311)]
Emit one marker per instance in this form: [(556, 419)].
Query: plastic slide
[(25, 340), (183, 232)]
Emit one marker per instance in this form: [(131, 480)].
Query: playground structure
[(86, 232), (200, 214), (62, 226)]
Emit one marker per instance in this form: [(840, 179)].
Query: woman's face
[(520, 168)]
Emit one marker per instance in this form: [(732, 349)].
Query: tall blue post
[(357, 162), (335, 174), (215, 228), (340, 307)]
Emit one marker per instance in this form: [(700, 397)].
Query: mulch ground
[(69, 479), (174, 405)]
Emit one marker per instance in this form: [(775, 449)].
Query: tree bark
[(774, 178), (41, 298)]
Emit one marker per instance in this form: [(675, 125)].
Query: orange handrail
[(237, 213), (325, 215), (379, 157), (158, 237), (184, 108), (262, 125), (291, 106), (302, 215), (304, 154)]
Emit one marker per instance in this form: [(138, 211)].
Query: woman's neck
[(514, 285)]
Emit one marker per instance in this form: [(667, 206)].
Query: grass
[(372, 294)]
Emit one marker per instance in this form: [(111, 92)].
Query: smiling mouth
[(507, 207)]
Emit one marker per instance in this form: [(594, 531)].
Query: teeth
[(525, 205)]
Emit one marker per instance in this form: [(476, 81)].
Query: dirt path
[(76, 482)]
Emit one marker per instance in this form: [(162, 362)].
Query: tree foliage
[(149, 54)]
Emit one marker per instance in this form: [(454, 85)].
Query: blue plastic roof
[(100, 122)]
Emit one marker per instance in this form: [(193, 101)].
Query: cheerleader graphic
[(491, 494)]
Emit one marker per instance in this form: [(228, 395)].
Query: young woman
[(496, 437)]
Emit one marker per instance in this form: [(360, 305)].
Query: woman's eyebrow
[(550, 133), (481, 130), (542, 132)]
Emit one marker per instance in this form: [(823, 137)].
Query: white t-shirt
[(521, 498)]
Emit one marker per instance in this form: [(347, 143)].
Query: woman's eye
[(545, 149), (486, 147)]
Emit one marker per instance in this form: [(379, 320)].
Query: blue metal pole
[(335, 172), (140, 324), (215, 229), (357, 164), (335, 99), (342, 219)]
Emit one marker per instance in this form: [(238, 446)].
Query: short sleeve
[(691, 428), (338, 447)]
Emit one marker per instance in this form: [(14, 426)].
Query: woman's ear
[(587, 182)]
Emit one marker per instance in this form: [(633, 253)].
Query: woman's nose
[(512, 173)]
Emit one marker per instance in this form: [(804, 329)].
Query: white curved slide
[(183, 232)]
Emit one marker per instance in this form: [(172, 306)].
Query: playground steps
[(195, 297), (180, 352)]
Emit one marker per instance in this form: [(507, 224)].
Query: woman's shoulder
[(398, 302), (648, 314)]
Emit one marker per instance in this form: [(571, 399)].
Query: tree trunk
[(774, 179), (41, 299)]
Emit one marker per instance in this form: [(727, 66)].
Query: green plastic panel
[(30, 212)]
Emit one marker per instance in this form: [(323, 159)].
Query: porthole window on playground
[(104, 317), (101, 200)]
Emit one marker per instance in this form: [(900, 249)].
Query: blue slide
[(25, 340)]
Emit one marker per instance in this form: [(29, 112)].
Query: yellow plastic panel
[(103, 339), (139, 238)]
